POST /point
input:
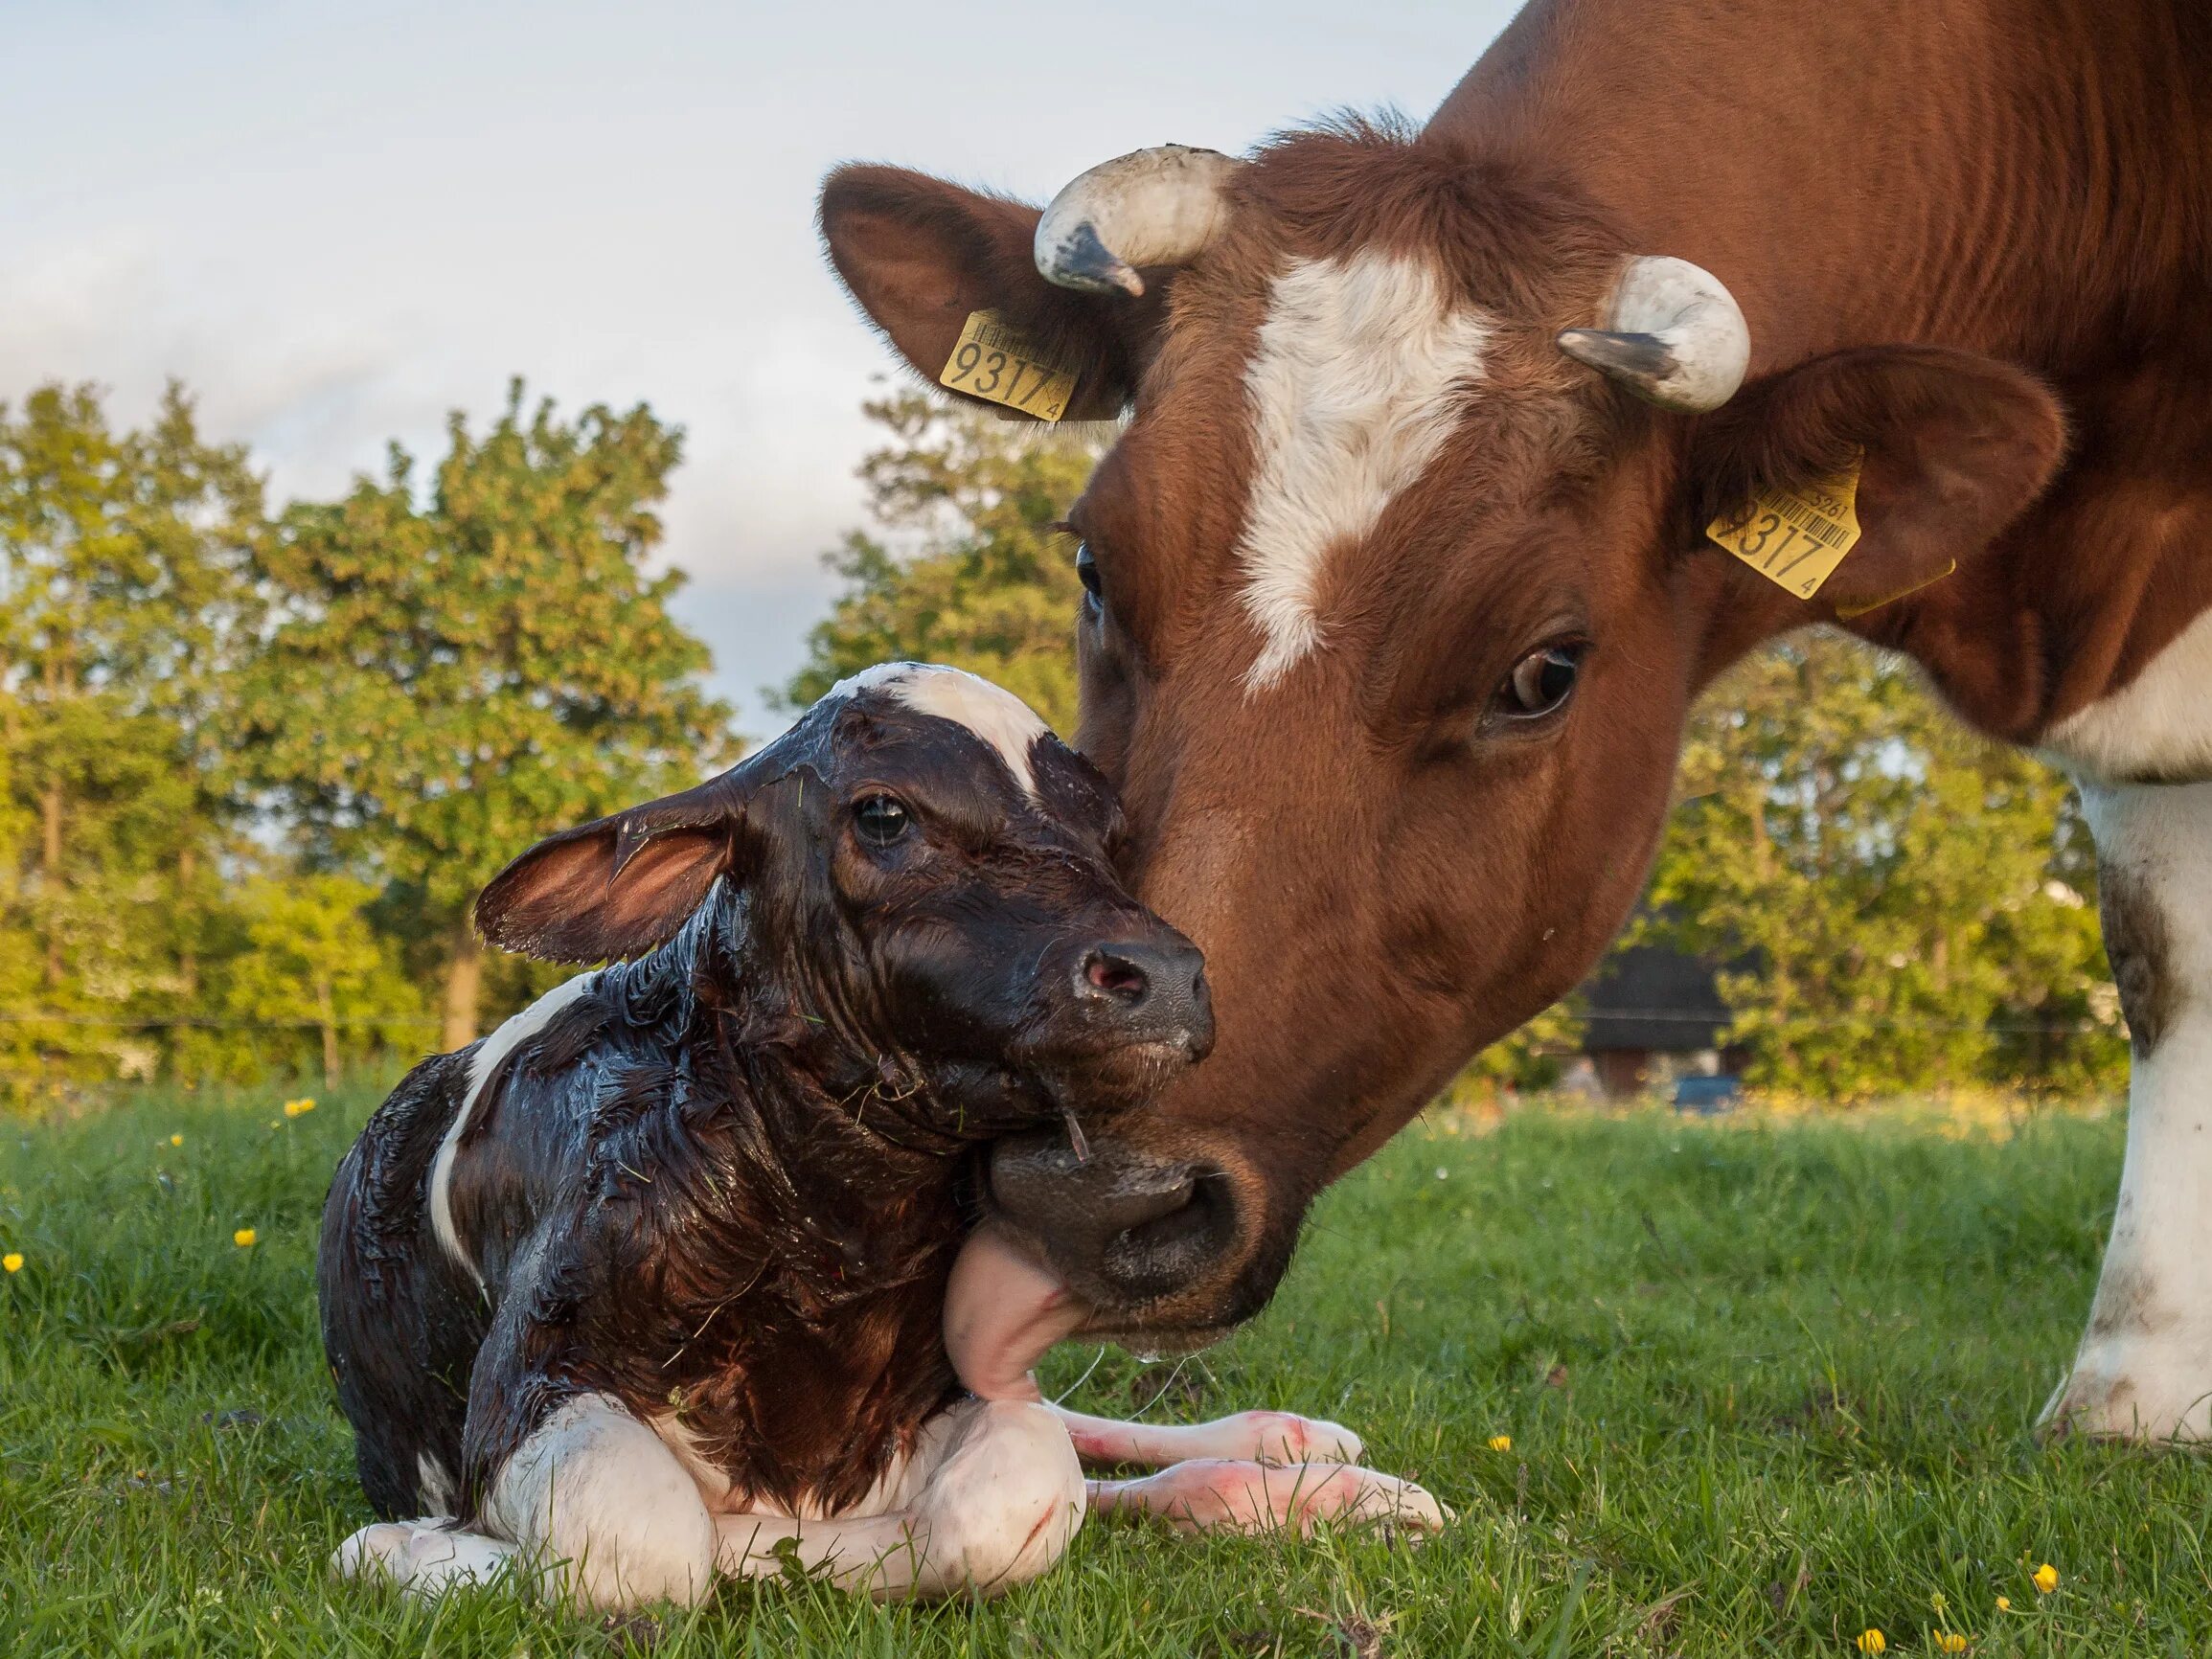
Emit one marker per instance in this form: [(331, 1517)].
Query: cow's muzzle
[(1135, 1238)]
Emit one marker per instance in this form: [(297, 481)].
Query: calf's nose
[(1150, 991)]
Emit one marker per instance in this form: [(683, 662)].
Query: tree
[(986, 581), (449, 678), (310, 951), (1908, 904), (125, 604)]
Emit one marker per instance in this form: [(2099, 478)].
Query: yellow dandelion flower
[(2046, 1578), (244, 1238), (1950, 1642), (1501, 1443), (1872, 1641), (13, 1261), (295, 1108), (2004, 1603), (176, 1140)]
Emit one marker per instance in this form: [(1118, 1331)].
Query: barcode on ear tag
[(1796, 537), (1000, 365)]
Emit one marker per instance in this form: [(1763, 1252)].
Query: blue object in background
[(1707, 1095)]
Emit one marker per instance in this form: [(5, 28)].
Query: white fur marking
[(993, 713), (2145, 1367), (434, 1486), (1355, 387), (2157, 725), (488, 1055), (607, 1508)]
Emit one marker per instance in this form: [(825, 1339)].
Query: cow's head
[(1397, 594)]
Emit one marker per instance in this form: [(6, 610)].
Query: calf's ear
[(921, 255), (1952, 448), (618, 886)]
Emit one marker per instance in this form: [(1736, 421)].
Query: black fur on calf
[(722, 1179)]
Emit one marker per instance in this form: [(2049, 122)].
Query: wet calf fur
[(690, 1218)]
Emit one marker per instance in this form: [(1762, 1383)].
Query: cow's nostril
[(1116, 976)]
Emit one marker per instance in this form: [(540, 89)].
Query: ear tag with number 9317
[(1000, 365), (1796, 537)]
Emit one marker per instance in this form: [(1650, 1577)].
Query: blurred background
[(429, 426)]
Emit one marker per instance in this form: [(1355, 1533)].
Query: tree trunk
[(188, 956), (464, 973), (50, 874), (327, 1012)]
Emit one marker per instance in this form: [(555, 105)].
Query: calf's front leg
[(593, 1507), (990, 1499)]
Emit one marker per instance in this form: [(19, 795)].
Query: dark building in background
[(1652, 1015)]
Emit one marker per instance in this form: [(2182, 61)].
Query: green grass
[(1765, 1387)]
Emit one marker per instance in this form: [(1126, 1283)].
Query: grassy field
[(1764, 1387)]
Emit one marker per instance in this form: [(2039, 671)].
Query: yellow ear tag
[(992, 361), (1796, 537)]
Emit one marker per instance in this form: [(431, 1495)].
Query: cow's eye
[(1087, 569), (880, 819), (1541, 682)]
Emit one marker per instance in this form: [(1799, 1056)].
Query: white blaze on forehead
[(1355, 384), (993, 713), (488, 1058)]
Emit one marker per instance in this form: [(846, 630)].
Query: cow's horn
[(1152, 207), (1675, 337)]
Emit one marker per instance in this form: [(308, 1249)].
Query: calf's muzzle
[(1148, 990)]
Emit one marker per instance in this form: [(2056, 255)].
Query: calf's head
[(1397, 594), (927, 906)]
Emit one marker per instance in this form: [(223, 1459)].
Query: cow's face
[(931, 925), (1394, 608)]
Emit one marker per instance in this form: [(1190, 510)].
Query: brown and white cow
[(1398, 583)]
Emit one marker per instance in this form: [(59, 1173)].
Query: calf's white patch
[(490, 1054), (993, 713), (1359, 376)]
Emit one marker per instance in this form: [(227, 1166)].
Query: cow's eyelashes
[(1540, 684), (881, 820)]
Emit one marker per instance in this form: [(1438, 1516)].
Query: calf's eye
[(880, 819), (1087, 569), (1541, 682)]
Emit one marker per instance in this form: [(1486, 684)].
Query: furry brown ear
[(619, 886), (1955, 447), (920, 255)]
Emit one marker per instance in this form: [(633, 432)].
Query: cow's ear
[(1950, 448), (922, 256), (618, 886)]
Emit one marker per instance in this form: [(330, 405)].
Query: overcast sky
[(335, 223)]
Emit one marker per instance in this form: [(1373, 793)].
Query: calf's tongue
[(1002, 1311)]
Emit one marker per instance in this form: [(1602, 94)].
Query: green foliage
[(985, 581), (1765, 1386), (251, 773), (1902, 910), (451, 677), (126, 601)]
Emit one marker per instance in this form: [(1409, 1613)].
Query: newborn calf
[(651, 1282)]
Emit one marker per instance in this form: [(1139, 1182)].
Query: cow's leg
[(990, 1500), (2145, 1366)]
